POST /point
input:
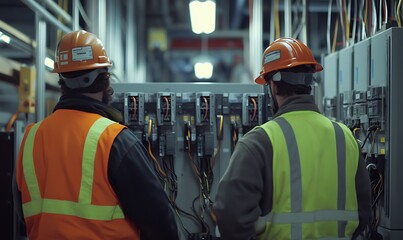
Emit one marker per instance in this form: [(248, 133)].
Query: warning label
[(82, 53)]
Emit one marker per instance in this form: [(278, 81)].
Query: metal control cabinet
[(194, 127), (331, 91), (387, 58), (376, 120)]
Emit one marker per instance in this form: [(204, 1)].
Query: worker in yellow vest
[(80, 174), (300, 175)]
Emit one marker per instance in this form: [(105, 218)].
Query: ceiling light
[(202, 16), (4, 38), (203, 70)]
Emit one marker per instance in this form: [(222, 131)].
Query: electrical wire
[(301, 24), (399, 21), (362, 22), (385, 7), (336, 28), (219, 141), (354, 22), (11, 121), (134, 108), (366, 15), (207, 107), (167, 108), (346, 14), (204, 225), (156, 163), (254, 109), (380, 14), (374, 18), (355, 130), (342, 19)]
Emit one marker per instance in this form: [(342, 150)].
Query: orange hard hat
[(80, 50), (286, 53)]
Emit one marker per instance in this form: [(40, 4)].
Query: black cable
[(204, 225)]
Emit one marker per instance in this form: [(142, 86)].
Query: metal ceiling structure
[(125, 28)]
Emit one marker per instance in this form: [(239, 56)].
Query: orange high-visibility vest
[(62, 173)]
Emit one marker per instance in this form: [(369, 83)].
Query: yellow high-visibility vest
[(315, 162)]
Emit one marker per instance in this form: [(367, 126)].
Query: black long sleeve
[(139, 190)]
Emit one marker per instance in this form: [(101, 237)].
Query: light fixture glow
[(203, 70), (202, 16), (4, 38), (49, 63)]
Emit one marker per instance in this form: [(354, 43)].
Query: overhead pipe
[(56, 9), (287, 19), (40, 67), (46, 15), (76, 15)]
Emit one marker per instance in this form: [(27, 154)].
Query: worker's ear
[(273, 87)]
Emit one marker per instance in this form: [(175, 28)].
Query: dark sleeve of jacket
[(139, 190), (242, 194), (363, 189)]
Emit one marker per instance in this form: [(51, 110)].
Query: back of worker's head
[(290, 65), (82, 63)]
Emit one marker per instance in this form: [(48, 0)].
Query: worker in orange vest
[(80, 174)]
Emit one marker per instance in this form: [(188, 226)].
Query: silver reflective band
[(341, 171), (78, 82), (295, 172)]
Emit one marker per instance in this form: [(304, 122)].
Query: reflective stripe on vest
[(297, 217), (83, 207)]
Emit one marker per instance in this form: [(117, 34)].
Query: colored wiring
[(156, 163), (234, 137), (11, 121), (167, 108), (207, 107), (355, 130), (254, 109), (336, 28), (385, 7), (398, 14), (204, 225), (347, 23), (134, 108), (219, 141)]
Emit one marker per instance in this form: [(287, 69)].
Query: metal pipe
[(131, 53), (76, 15), (45, 14), (255, 37), (40, 51), (287, 19), (56, 9)]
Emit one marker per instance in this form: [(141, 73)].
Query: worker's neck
[(97, 96)]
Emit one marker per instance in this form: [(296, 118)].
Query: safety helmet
[(286, 53), (80, 50)]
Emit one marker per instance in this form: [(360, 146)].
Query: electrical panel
[(190, 137), (330, 100), (371, 110)]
